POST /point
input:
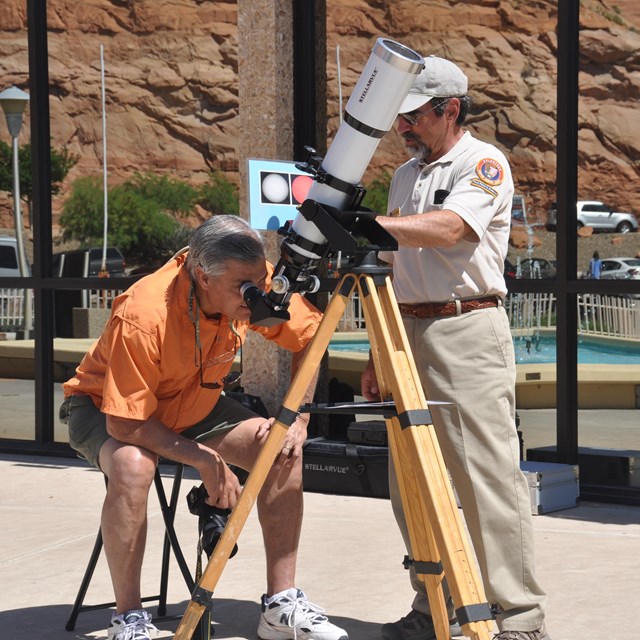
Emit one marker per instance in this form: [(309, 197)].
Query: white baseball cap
[(440, 78)]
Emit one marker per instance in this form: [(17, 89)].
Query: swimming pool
[(541, 349)]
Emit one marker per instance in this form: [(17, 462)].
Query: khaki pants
[(469, 360)]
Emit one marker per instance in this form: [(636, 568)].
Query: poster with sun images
[(276, 188)]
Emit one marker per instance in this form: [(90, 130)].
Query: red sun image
[(300, 186)]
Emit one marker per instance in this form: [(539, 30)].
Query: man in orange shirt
[(151, 387)]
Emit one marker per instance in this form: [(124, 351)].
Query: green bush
[(219, 195), (62, 161), (378, 193), (137, 224), (173, 196)]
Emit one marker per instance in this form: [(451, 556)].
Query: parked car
[(599, 216), (537, 269), (620, 268), (87, 263), (9, 264)]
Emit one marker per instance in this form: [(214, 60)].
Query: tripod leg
[(420, 533), (432, 490), (270, 450), (422, 541)]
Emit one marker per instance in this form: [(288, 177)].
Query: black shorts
[(88, 425)]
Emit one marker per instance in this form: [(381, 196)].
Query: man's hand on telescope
[(440, 228), (369, 383)]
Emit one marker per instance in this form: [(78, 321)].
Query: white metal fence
[(609, 316), (12, 308), (12, 304), (101, 298), (599, 315)]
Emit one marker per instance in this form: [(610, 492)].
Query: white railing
[(611, 316), (12, 304), (353, 317), (598, 315), (12, 308), (102, 298), (529, 312)]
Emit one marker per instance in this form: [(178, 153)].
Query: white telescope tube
[(370, 113)]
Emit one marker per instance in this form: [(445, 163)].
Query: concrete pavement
[(350, 557)]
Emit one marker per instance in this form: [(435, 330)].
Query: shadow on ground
[(232, 619)]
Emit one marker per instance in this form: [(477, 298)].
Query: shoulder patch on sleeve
[(490, 171), (485, 187)]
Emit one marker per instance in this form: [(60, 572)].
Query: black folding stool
[(168, 509)]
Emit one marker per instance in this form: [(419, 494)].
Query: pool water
[(542, 349), (590, 351)]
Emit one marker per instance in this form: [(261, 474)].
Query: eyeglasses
[(413, 117), (233, 376)]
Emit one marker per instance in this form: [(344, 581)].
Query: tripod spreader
[(386, 409)]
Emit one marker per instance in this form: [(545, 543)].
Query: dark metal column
[(42, 235), (309, 77), (566, 239)]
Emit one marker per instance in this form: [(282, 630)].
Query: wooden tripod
[(435, 528)]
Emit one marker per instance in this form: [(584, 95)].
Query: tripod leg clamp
[(202, 596), (413, 417), (287, 416), (474, 613), (425, 568)]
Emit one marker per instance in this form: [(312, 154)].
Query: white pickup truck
[(593, 213)]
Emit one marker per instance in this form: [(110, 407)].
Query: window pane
[(532, 242), (532, 318), (608, 389), (17, 400)]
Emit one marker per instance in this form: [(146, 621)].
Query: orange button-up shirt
[(144, 364)]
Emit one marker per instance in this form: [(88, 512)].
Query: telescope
[(331, 218)]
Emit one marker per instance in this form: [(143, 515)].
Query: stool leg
[(203, 631), (168, 512), (84, 586), (168, 509)]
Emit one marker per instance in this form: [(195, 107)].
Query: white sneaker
[(132, 625), (291, 615)]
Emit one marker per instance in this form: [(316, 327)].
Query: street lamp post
[(13, 102)]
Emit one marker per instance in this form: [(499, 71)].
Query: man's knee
[(284, 478), (129, 467)]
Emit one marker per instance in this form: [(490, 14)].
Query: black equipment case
[(345, 468), (372, 432)]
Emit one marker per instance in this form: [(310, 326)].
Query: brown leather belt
[(448, 309)]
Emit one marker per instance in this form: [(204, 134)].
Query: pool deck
[(349, 561), (600, 386)]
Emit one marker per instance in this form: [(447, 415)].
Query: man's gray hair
[(220, 239)]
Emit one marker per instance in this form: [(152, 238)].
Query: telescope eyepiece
[(250, 292)]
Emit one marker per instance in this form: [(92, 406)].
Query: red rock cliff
[(171, 78)]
